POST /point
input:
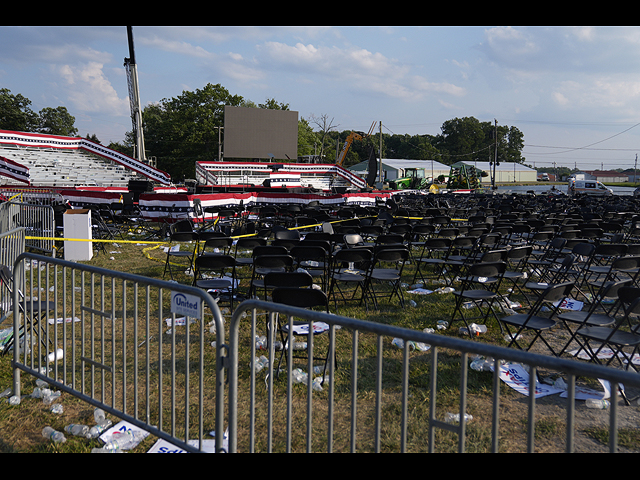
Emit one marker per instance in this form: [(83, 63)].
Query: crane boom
[(350, 139), (134, 99)]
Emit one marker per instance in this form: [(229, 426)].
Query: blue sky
[(573, 91)]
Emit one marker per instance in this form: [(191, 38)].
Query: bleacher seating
[(62, 168)]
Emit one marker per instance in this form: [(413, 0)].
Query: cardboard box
[(77, 226)]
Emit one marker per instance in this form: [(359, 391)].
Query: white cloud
[(560, 99), (90, 90), (355, 68)]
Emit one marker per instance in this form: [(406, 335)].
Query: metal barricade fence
[(137, 347), (11, 247), (376, 413), (38, 220)]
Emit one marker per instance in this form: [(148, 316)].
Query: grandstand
[(66, 168), (54, 161)]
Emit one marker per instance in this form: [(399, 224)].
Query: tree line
[(182, 130)]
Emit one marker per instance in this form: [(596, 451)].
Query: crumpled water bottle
[(597, 403), (124, 440), (54, 435), (77, 430)]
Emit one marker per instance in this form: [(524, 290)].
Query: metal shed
[(506, 172), (397, 168)]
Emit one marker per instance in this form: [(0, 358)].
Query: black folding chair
[(598, 314), (180, 238), (216, 273), (534, 321), (480, 287), (303, 298), (386, 269), (349, 267), (623, 334)]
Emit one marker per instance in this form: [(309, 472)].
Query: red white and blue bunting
[(78, 143), (14, 170)]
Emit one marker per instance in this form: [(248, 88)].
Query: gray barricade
[(11, 247), (38, 221), (141, 349), (268, 423)]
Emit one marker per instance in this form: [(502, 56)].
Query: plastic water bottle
[(77, 430), (597, 403), (54, 435), (96, 431), (50, 397), (100, 417), (124, 440)]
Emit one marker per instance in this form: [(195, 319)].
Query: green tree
[(93, 137), (16, 113), (182, 130), (414, 147), (57, 121), (468, 139), (463, 139), (307, 138)]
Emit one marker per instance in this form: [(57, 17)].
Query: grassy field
[(21, 425)]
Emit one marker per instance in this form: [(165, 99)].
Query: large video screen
[(258, 133)]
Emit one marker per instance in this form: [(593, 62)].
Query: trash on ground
[(455, 417)]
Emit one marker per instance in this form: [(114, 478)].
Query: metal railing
[(38, 221), (11, 247), (264, 403), (114, 341), (135, 346)]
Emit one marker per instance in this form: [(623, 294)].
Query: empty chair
[(352, 240), (303, 298), (623, 334), (217, 244), (313, 259), (549, 254), (603, 255), (180, 239), (286, 238), (386, 269), (245, 246), (264, 264), (598, 314), (534, 321), (620, 268), (348, 268), (274, 280), (480, 287), (216, 273), (435, 252)]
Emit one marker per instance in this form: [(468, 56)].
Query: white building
[(393, 169), (506, 172)]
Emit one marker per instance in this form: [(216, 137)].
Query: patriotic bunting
[(14, 170)]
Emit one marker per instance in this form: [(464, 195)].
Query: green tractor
[(414, 180)]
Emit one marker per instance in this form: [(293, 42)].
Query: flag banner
[(14, 170)]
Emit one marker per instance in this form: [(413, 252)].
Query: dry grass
[(21, 425)]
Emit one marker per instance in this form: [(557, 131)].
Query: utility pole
[(635, 168), (495, 160), (219, 143), (381, 173)]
